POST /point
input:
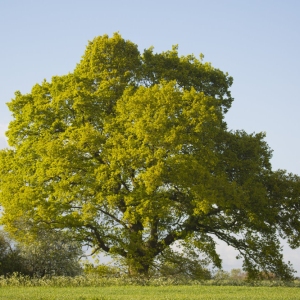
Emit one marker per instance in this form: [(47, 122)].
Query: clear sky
[(256, 42)]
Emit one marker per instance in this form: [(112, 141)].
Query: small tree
[(11, 259), (51, 253), (238, 274)]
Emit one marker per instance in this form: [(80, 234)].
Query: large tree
[(131, 153)]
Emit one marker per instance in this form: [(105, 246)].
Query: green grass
[(100, 288), (148, 292)]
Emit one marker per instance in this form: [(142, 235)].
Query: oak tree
[(131, 153)]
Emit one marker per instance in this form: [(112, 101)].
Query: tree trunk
[(138, 269)]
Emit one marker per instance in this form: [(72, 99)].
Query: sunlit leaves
[(131, 153)]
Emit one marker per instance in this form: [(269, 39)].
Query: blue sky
[(256, 42)]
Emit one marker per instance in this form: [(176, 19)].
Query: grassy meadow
[(97, 288), (149, 292)]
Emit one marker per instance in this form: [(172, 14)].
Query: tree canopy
[(131, 153)]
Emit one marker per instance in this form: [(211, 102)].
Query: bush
[(50, 253), (101, 270), (11, 259), (186, 265)]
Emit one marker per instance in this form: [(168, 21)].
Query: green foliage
[(94, 280), (47, 254), (130, 153), (233, 275), (184, 264), (238, 274), (11, 259), (51, 253), (101, 270)]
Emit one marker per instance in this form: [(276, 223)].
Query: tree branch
[(100, 241), (113, 217)]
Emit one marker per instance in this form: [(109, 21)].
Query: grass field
[(148, 292), (18, 287)]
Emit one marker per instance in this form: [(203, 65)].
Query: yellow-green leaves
[(131, 153)]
